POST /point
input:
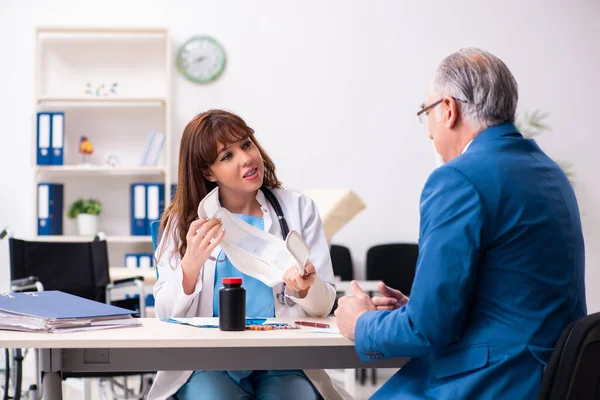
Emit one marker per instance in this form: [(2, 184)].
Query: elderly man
[(501, 265)]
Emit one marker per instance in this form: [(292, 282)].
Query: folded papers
[(55, 311)]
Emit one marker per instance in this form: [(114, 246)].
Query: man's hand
[(391, 300), (350, 308)]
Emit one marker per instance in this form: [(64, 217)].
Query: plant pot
[(87, 224)]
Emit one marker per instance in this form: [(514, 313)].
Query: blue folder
[(44, 138), (139, 210), (50, 208), (54, 304), (58, 137), (155, 203)]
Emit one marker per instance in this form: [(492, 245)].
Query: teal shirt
[(260, 301)]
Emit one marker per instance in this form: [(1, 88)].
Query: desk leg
[(51, 366), (52, 384)]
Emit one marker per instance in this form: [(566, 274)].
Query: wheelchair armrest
[(137, 281), (127, 282), (26, 284)]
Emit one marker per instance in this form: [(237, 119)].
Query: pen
[(312, 324)]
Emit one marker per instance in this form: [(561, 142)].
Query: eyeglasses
[(424, 112)]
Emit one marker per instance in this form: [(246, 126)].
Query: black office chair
[(78, 268), (395, 265), (573, 372), (341, 259)]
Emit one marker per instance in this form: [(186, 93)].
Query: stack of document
[(55, 311)]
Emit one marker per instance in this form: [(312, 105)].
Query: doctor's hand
[(350, 308), (202, 238), (300, 283), (392, 298)]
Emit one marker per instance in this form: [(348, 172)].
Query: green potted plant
[(86, 212)]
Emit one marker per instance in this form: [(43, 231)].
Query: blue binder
[(57, 134), (50, 209), (54, 304), (44, 138), (155, 199), (131, 260), (137, 260), (139, 205), (146, 260)]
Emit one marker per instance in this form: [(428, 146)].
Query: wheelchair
[(81, 269)]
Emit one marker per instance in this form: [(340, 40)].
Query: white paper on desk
[(320, 330), (198, 321), (212, 322)]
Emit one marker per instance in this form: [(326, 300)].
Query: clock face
[(201, 59)]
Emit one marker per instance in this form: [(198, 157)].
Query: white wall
[(332, 87)]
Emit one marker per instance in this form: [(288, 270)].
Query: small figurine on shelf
[(88, 89), (99, 90), (113, 159), (85, 149)]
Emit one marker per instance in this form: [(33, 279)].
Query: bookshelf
[(71, 65), (109, 239), (91, 170)]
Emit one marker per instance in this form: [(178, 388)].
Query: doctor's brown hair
[(197, 152)]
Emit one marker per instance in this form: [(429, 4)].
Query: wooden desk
[(160, 345)]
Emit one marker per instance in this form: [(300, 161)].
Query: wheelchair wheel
[(13, 374)]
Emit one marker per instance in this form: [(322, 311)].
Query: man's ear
[(450, 112)]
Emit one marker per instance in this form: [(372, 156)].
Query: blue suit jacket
[(500, 275)]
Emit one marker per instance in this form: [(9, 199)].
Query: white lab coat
[(301, 215)]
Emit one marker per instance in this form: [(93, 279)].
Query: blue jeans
[(259, 385)]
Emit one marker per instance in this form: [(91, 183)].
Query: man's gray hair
[(485, 84)]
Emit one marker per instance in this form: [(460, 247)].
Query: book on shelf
[(153, 149)]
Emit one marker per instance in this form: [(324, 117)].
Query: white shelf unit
[(114, 101), (139, 61), (109, 239), (94, 170)]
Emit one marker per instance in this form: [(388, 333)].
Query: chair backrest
[(573, 371), (394, 264), (154, 228), (341, 260), (78, 268)]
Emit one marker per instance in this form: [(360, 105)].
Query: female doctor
[(219, 150)]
